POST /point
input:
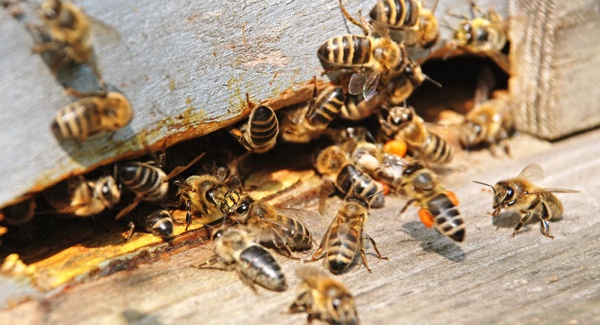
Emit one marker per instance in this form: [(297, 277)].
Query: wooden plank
[(184, 66), (555, 64), (491, 278)]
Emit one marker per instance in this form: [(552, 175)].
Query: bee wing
[(552, 190), (485, 84), (104, 33), (310, 274), (307, 218), (379, 27), (357, 83), (501, 60), (532, 172), (370, 87)]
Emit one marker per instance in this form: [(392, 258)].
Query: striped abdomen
[(256, 264), (446, 217), (299, 237), (263, 128), (397, 13), (437, 149), (159, 223), (343, 244), (552, 205), (326, 108), (146, 181), (346, 51), (353, 181), (78, 120)]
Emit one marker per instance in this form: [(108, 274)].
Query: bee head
[(50, 9), (108, 190)]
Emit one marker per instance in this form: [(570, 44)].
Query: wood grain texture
[(491, 278), (184, 65), (556, 65)]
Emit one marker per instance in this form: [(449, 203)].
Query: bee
[(206, 196), (259, 134), (83, 198), (19, 212), (324, 298), (334, 164), (106, 112), (236, 250), (149, 183), (418, 23), (308, 122), (491, 121), (483, 35), (277, 227), (439, 207), (345, 237), (158, 223), (371, 57), (402, 123), (519, 194)]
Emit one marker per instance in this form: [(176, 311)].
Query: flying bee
[(19, 211), (484, 35), (334, 164), (157, 222), (402, 123), (418, 23), (369, 56), (280, 228), (149, 183), (439, 207), (491, 121), (106, 112), (307, 122), (324, 298), (259, 134), (83, 198), (519, 194), (345, 237), (206, 196), (236, 250)]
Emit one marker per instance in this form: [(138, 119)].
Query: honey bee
[(307, 122), (439, 207), (69, 30), (91, 115), (19, 212), (418, 23), (402, 123), (324, 298), (259, 134), (158, 223), (334, 164), (484, 35), (345, 237), (206, 196), (491, 121), (83, 198), (519, 194), (277, 227), (149, 183), (369, 56), (236, 250)]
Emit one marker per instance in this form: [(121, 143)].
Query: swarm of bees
[(373, 75)]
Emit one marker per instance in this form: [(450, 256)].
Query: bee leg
[(376, 250), (352, 20), (188, 215), (408, 203), (248, 281), (523, 221), (131, 226), (316, 256), (180, 169), (544, 217), (128, 209), (326, 190), (364, 259)]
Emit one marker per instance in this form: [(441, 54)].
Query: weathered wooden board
[(185, 66), (556, 64), (491, 278)]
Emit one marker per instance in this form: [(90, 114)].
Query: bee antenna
[(439, 85), (493, 189)]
